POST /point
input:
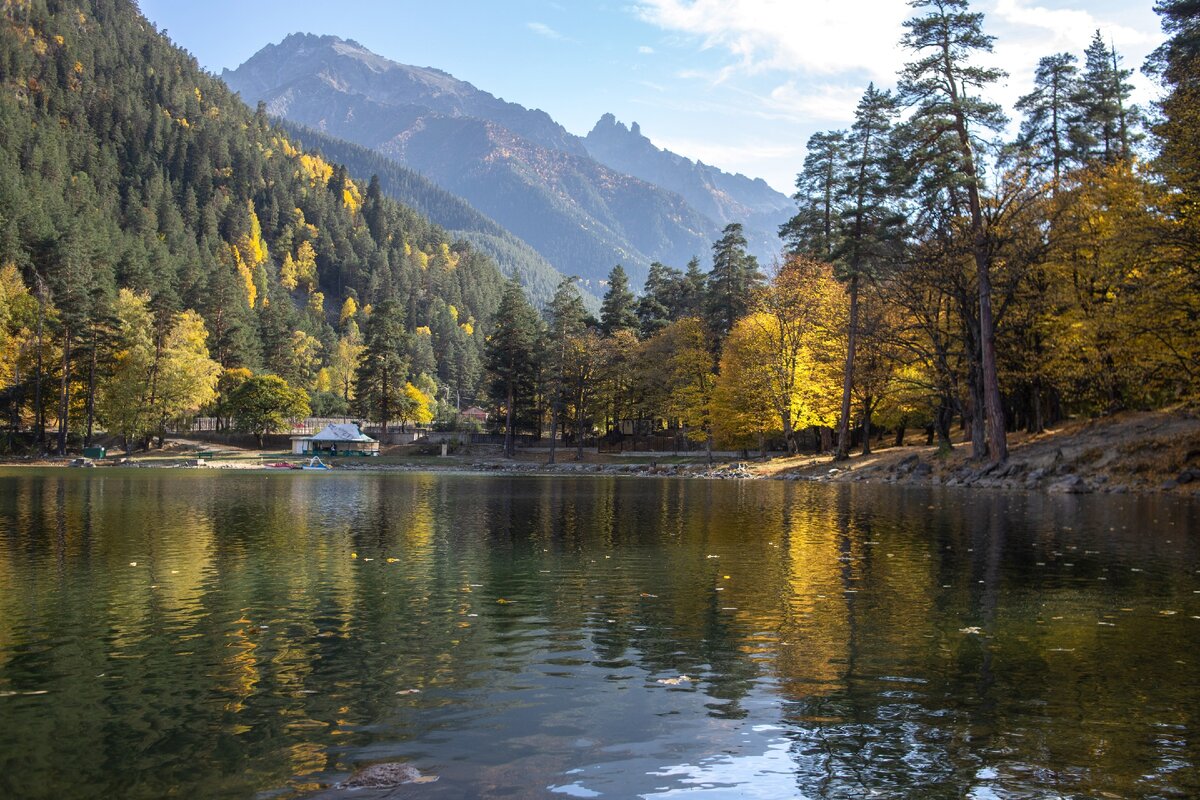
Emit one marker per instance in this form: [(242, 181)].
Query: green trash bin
[(94, 452)]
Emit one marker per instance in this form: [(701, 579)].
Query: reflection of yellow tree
[(815, 634)]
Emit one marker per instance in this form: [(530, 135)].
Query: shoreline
[(1131, 453)]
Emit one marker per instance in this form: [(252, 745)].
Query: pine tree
[(868, 224), (382, 368), (1049, 110), (566, 318), (731, 283), (1106, 124), (617, 308), (941, 85), (813, 229), (655, 308), (512, 356)]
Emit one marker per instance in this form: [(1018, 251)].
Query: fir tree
[(617, 308)]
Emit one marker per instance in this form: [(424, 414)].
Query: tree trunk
[(64, 397), (553, 430), (900, 426), (866, 427), (39, 418), (508, 424), (843, 448), (945, 414), (826, 437), (91, 397)]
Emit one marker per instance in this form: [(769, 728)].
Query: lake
[(242, 634)]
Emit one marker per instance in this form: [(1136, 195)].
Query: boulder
[(382, 776), (1071, 484)]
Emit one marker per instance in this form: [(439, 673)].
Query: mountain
[(124, 166), (513, 164), (719, 195), (457, 216)]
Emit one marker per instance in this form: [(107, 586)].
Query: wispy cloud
[(646, 50), (542, 29), (820, 37), (827, 46)]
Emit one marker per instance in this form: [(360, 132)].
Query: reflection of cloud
[(542, 29)]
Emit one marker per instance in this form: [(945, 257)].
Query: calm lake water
[(204, 634)]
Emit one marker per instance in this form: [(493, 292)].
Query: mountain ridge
[(514, 164)]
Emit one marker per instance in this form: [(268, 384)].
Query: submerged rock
[(382, 776)]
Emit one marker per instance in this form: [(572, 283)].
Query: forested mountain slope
[(123, 165), (513, 164), (514, 256)]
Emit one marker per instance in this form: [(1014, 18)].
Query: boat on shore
[(314, 463)]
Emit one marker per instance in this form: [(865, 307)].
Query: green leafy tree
[(264, 404)]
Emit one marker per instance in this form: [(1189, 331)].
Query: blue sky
[(740, 84)]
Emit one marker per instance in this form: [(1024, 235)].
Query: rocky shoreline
[(1134, 453)]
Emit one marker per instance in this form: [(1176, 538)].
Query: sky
[(739, 84)]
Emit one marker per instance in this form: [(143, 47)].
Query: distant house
[(475, 413), (336, 439)]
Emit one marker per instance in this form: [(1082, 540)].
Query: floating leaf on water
[(647, 594), (1167, 613), (502, 601), (133, 563), (392, 560), (425, 779), (725, 577), (368, 559), (409, 691), (971, 629), (354, 555)]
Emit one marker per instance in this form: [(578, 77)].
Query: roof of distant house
[(341, 432)]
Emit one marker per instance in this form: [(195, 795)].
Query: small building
[(339, 439), (475, 413)]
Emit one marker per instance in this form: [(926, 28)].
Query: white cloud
[(646, 50), (826, 51), (820, 37), (542, 29)]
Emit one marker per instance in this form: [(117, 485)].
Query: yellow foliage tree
[(349, 309)]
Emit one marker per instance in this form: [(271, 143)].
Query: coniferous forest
[(166, 251)]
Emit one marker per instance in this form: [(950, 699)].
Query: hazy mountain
[(721, 196), (516, 165), (460, 219)]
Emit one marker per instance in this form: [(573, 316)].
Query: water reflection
[(227, 635)]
